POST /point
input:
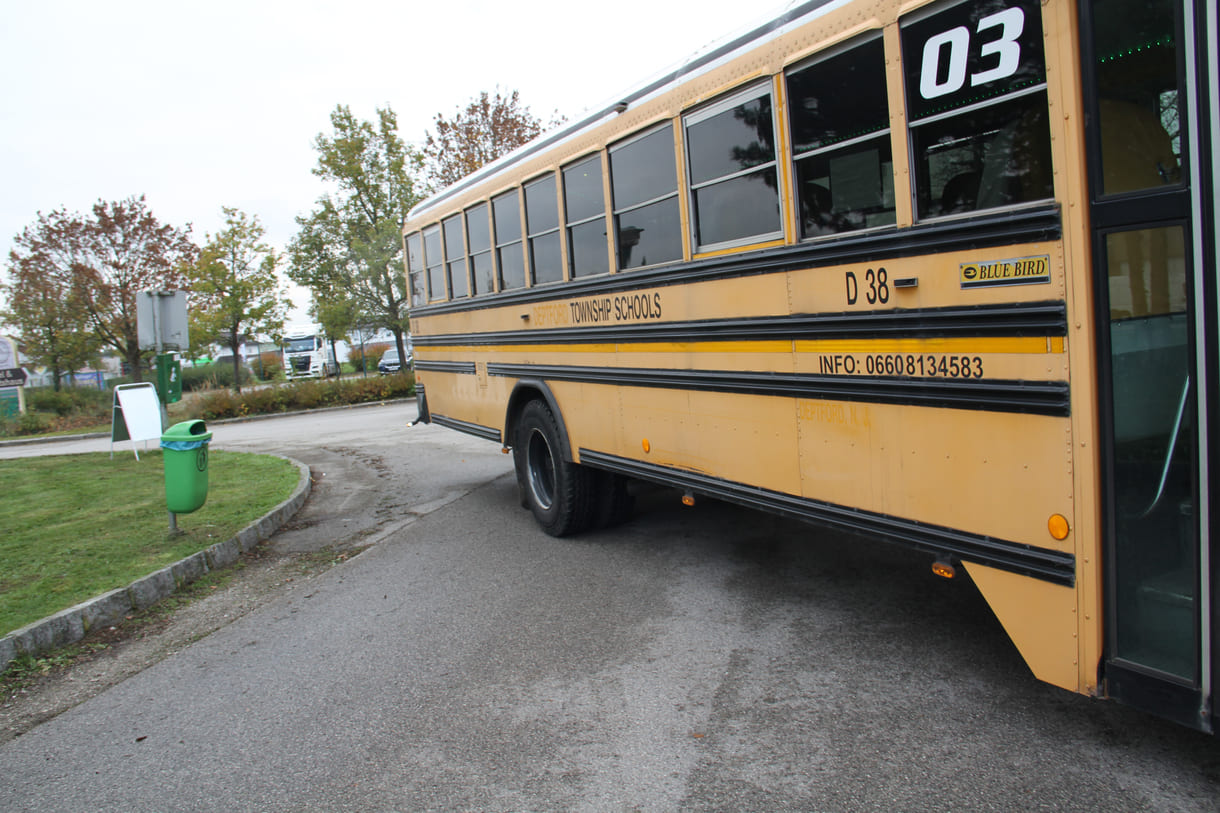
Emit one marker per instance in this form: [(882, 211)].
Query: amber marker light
[(944, 569), (1058, 526), (688, 499), (647, 446)]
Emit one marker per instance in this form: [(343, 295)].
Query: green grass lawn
[(76, 526)]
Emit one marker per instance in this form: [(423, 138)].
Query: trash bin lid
[(195, 430)]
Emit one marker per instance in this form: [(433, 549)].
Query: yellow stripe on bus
[(971, 345)]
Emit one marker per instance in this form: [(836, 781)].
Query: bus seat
[(960, 193), (815, 209)]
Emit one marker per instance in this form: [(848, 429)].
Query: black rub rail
[(1015, 557), (1031, 397), (1022, 320)]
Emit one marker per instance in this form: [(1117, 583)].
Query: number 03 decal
[(956, 41)]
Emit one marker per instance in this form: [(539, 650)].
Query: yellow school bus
[(942, 273)]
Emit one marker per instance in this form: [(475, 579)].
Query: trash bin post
[(184, 450)]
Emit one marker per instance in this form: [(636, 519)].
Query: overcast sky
[(209, 104)]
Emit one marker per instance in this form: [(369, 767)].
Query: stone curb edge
[(71, 625)]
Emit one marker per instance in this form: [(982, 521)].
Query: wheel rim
[(541, 470)]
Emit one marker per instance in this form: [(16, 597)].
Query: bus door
[(1153, 220)]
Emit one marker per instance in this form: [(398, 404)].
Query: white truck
[(307, 354)]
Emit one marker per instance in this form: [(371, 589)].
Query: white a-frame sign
[(137, 415)]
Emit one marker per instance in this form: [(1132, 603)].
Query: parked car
[(390, 364)]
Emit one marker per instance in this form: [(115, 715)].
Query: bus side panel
[(1039, 617), (468, 398), (591, 413), (933, 281), (995, 474), (740, 438)]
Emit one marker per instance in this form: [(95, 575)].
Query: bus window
[(1151, 395), (1137, 82), (435, 263), (841, 142), (977, 107), (478, 240), (542, 229), (455, 257), (415, 268), (730, 154), (584, 206), (644, 181), (507, 216)]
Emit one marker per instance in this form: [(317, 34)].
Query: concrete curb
[(70, 625)]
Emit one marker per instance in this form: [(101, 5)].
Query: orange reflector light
[(647, 445), (1058, 526), (688, 499), (944, 569)]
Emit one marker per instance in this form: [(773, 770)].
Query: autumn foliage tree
[(126, 250), (235, 292), (488, 127), (100, 264), (45, 304)]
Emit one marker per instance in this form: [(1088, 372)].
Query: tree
[(235, 293), (100, 265), (317, 260), (46, 306), (122, 251), (489, 127), (348, 252)]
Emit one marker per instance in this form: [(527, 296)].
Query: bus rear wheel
[(557, 491)]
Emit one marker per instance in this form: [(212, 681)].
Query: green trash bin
[(184, 448)]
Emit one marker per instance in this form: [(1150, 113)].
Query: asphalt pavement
[(693, 659)]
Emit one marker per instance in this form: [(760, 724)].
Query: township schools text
[(627, 308)]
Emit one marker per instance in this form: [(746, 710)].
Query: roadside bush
[(271, 365), (68, 400), (399, 385), (31, 423), (92, 408), (356, 363), (312, 394), (195, 378), (265, 400), (303, 395), (219, 404), (374, 352), (50, 411), (212, 376), (45, 399)]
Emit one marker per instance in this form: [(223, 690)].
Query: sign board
[(12, 377), (161, 320), (11, 402), (12, 380), (137, 415), (11, 374)]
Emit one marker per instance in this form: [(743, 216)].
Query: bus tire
[(557, 491)]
